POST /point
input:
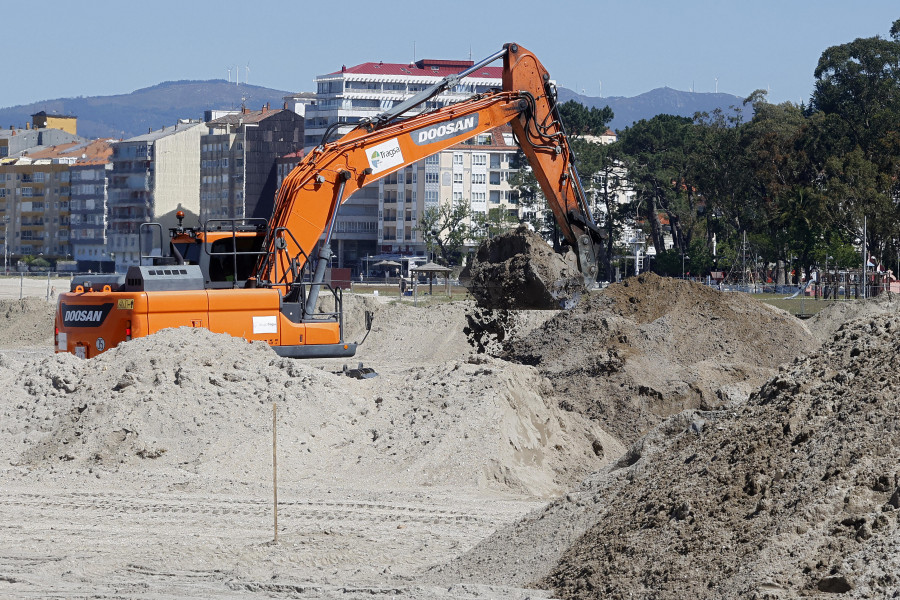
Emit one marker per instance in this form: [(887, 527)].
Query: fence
[(34, 285)]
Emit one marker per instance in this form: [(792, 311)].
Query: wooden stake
[(275, 464)]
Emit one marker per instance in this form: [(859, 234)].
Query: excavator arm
[(310, 196)]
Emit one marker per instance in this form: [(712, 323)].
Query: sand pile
[(26, 322), (795, 493), (201, 403), (828, 320), (650, 347), (518, 270), (788, 493), (406, 335)]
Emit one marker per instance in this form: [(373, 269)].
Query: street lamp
[(6, 244), (683, 256)]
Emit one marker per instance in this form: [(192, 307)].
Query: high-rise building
[(153, 177), (88, 207), (36, 193), (238, 162), (384, 217)]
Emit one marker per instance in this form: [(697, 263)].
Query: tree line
[(791, 184)]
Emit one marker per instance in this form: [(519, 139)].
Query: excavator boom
[(310, 197)]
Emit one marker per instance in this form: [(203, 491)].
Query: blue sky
[(57, 49)]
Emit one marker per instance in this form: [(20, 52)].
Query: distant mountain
[(128, 115), (661, 101)]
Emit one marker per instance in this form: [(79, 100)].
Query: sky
[(605, 48)]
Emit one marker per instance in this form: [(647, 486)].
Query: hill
[(657, 102), (128, 115)]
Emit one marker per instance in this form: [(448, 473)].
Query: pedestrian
[(402, 286)]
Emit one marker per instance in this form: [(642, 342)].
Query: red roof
[(95, 152), (422, 68)]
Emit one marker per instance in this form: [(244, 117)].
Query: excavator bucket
[(518, 270)]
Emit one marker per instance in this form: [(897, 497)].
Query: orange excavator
[(263, 280)]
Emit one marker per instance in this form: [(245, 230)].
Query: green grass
[(796, 306)]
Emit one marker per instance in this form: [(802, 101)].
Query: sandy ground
[(554, 463)]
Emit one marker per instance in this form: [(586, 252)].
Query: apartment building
[(88, 207), (238, 162), (153, 176), (36, 193), (36, 203), (383, 217)]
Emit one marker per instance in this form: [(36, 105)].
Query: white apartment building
[(383, 218)]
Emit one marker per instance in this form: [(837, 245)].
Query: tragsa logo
[(385, 156)]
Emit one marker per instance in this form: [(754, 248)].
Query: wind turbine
[(247, 74), (229, 74)]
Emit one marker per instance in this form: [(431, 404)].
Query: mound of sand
[(791, 492), (518, 270), (828, 320), (794, 494), (26, 322), (650, 347), (199, 402)]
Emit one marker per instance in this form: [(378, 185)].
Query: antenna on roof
[(414, 50), (470, 51)]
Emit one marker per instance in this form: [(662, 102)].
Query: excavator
[(265, 280)]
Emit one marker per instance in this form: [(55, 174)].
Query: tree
[(654, 152), (446, 228), (857, 97), (580, 120)]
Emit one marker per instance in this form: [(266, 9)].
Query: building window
[(432, 177), (478, 178), (479, 159), (458, 178), (457, 158), (434, 159)]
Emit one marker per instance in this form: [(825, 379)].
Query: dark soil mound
[(794, 494), (650, 347), (518, 270)]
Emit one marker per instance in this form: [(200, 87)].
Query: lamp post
[(6, 245), (683, 256)]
